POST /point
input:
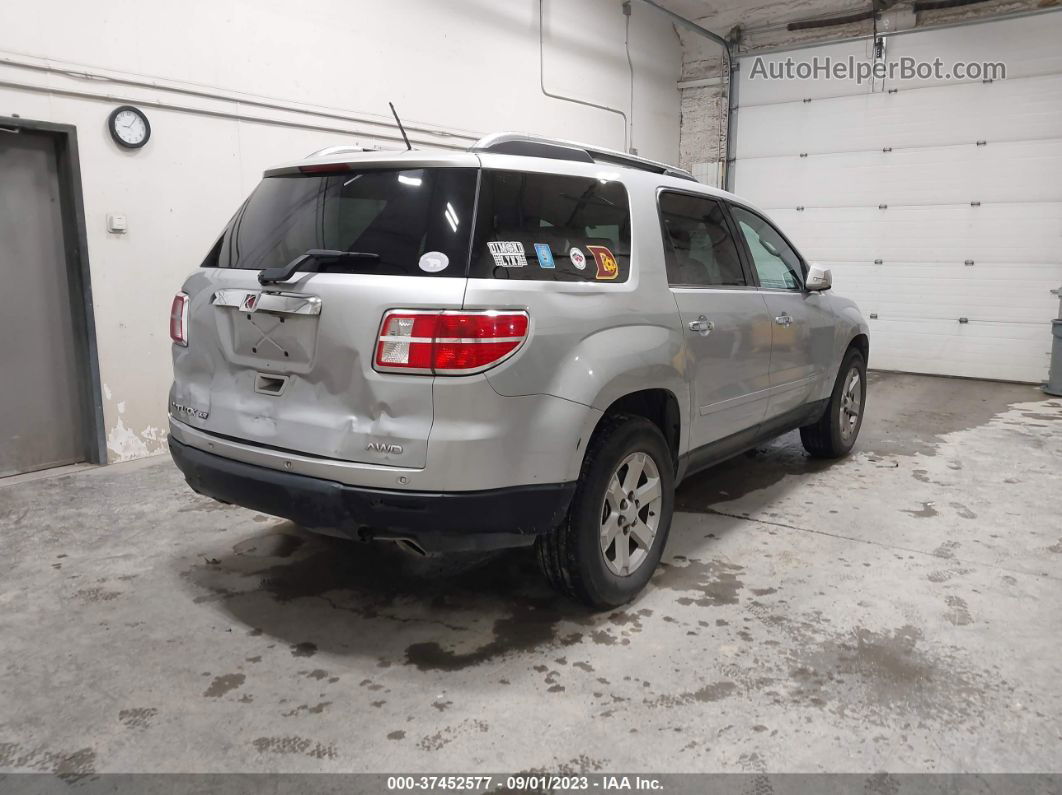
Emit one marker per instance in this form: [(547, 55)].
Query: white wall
[(233, 86)]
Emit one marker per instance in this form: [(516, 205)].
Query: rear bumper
[(435, 521)]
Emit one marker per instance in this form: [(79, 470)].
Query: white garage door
[(938, 205)]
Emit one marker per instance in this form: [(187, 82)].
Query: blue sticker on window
[(545, 256)]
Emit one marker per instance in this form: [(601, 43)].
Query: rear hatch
[(289, 365)]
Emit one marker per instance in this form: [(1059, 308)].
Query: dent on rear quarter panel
[(602, 368)]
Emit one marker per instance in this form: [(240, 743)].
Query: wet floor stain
[(271, 545), (89, 595), (71, 766), (224, 684), (757, 469), (445, 736), (713, 583), (905, 422), (137, 717), (716, 691), (873, 674), (304, 649), (306, 709), (958, 613), (947, 549), (528, 627), (943, 575), (925, 512), (295, 745), (323, 576)]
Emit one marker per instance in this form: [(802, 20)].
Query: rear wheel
[(611, 541), (835, 433)]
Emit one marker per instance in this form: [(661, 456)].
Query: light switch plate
[(117, 224)]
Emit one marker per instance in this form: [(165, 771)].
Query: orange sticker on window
[(607, 267)]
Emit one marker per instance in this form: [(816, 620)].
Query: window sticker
[(508, 254), (434, 261), (545, 255), (607, 267), (578, 258)]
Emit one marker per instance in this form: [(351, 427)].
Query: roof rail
[(339, 150), (557, 149)]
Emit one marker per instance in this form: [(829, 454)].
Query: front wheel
[(611, 541), (835, 433)]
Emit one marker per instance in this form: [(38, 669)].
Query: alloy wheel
[(851, 404), (630, 514)]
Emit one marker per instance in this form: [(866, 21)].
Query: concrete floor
[(898, 610)]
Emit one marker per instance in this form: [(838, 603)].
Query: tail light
[(447, 343), (179, 319)]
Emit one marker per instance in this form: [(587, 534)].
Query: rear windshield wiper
[(271, 275)]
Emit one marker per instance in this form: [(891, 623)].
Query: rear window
[(550, 227), (417, 222)]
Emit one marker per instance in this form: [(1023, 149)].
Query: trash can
[(1054, 376)]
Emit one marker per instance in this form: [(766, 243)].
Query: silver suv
[(528, 343)]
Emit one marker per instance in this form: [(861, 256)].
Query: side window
[(551, 227), (777, 265), (701, 252)]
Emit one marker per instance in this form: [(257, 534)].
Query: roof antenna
[(401, 129)]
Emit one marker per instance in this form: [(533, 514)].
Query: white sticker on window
[(578, 258), (434, 261), (507, 254)]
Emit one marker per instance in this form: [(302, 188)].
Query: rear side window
[(416, 222), (549, 227), (701, 251)]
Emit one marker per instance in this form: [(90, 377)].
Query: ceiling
[(721, 15), (764, 22)]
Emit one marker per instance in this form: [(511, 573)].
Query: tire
[(836, 431), (572, 557)]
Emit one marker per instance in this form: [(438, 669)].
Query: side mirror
[(819, 279)]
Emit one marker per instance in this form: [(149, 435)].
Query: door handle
[(702, 326), (783, 320)]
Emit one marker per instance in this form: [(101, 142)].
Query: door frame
[(75, 244)]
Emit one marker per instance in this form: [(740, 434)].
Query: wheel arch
[(861, 342), (658, 405)]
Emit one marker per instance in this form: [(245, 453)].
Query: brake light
[(326, 168), (179, 319), (447, 343)]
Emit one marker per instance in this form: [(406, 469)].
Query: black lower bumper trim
[(435, 521)]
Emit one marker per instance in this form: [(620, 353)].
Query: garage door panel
[(996, 233), (1008, 352), (893, 296), (964, 302), (1005, 172), (757, 91), (957, 113), (1037, 51)]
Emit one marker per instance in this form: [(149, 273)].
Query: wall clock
[(129, 127)]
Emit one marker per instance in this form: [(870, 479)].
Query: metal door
[(804, 325), (40, 398), (724, 317)]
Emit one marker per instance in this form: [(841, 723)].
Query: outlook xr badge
[(545, 256)]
